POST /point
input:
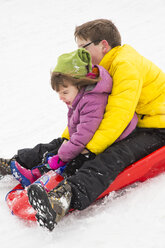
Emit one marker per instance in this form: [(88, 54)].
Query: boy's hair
[(97, 30), (57, 80)]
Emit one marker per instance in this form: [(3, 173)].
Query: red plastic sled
[(146, 168)]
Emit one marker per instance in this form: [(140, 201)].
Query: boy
[(138, 85)]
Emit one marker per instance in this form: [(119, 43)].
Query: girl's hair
[(59, 79), (98, 30)]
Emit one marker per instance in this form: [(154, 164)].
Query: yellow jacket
[(138, 85)]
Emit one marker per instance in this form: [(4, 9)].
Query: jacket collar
[(77, 98), (109, 57)]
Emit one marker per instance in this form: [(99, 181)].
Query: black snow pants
[(95, 176), (31, 157)]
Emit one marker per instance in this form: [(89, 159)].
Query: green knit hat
[(77, 63)]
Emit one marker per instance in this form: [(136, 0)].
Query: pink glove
[(55, 162)]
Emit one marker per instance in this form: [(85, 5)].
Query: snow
[(33, 34)]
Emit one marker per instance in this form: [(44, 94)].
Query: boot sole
[(39, 200)]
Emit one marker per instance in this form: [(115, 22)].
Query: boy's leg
[(95, 176), (51, 206)]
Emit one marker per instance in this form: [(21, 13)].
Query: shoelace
[(38, 166), (59, 192)]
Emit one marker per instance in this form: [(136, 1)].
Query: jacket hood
[(104, 85)]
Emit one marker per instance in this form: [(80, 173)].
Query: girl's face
[(68, 94)]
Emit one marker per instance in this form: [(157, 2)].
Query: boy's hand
[(77, 162)]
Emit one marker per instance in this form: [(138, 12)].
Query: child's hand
[(77, 162), (55, 162)]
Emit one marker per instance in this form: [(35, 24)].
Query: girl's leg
[(26, 167), (31, 157), (27, 159), (95, 176)]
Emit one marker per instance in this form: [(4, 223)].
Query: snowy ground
[(33, 34)]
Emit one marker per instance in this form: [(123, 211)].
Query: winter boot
[(51, 206), (5, 167), (23, 175)]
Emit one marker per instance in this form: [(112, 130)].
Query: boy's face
[(96, 51), (67, 94)]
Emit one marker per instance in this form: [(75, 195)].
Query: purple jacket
[(86, 114)]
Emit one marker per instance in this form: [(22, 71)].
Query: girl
[(85, 91)]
